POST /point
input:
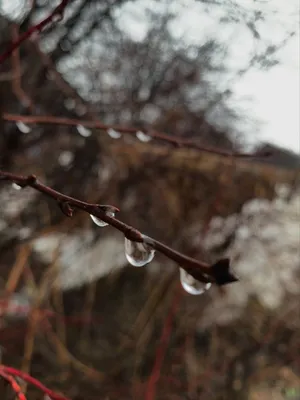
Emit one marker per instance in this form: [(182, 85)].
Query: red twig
[(16, 81), (29, 379), (162, 348), (13, 383), (218, 273), (58, 12), (176, 141)]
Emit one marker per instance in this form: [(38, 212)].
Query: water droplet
[(83, 131), (143, 137), (113, 134), (191, 285), (99, 221), (69, 103), (16, 186), (65, 158), (23, 127), (138, 254)]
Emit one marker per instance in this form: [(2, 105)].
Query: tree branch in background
[(10, 374), (218, 273), (13, 383), (56, 15), (176, 141)]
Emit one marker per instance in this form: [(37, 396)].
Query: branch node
[(31, 180), (134, 235), (66, 208)]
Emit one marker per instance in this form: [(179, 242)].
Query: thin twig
[(218, 273), (162, 347), (29, 379), (56, 15), (13, 383), (176, 141), (16, 67)]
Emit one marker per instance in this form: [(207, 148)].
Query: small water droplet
[(191, 285), (138, 254), (99, 221), (65, 158), (113, 133), (16, 186), (70, 104), (23, 127), (83, 131), (143, 137)]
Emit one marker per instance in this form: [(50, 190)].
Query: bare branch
[(176, 141), (57, 14), (218, 273)]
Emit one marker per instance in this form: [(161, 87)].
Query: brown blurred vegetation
[(133, 330)]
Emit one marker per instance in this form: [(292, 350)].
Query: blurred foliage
[(128, 333)]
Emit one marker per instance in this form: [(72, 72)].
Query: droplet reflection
[(99, 221), (191, 285), (138, 254)]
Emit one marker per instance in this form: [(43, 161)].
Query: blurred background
[(73, 312)]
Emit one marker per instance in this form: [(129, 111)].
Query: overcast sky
[(272, 96)]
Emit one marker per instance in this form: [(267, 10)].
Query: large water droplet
[(191, 285), (99, 221), (83, 131), (143, 137), (23, 127), (138, 254), (113, 133)]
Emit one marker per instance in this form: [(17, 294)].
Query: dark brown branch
[(58, 12), (218, 273), (176, 141)]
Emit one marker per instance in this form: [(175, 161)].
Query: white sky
[(274, 94)]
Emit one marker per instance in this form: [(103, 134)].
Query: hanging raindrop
[(113, 134), (138, 254), (143, 137), (23, 127), (191, 285), (16, 186), (99, 221), (83, 131)]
